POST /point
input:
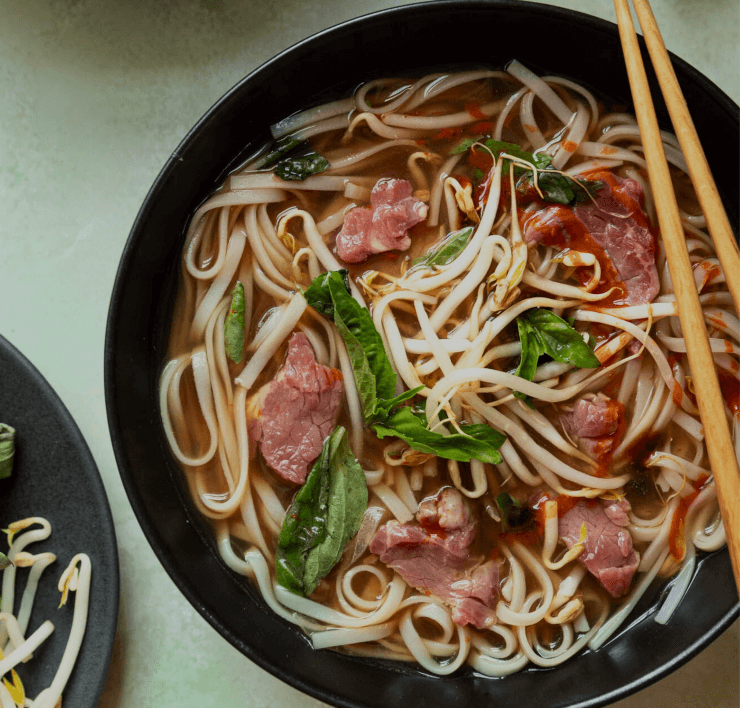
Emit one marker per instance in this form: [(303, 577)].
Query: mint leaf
[(325, 514)]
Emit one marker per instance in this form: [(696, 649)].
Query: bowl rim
[(159, 184)]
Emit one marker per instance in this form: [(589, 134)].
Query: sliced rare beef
[(434, 558), (291, 416), (594, 423), (384, 225), (607, 549), (617, 223)]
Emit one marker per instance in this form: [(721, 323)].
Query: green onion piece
[(234, 325), (7, 450)]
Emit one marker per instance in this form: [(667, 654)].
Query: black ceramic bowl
[(406, 40)]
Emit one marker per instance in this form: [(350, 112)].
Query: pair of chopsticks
[(711, 406)]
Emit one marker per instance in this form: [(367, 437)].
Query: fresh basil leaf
[(318, 295), (447, 250), (325, 514), (7, 450), (478, 174), (589, 189), (365, 348), (531, 350), (555, 188), (297, 169), (559, 340), (234, 325), (386, 405), (282, 148), (540, 160), (376, 382), (478, 442), (559, 189), (543, 332), (5, 562), (372, 369), (465, 145)]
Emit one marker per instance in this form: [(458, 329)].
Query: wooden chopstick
[(701, 175), (711, 405)]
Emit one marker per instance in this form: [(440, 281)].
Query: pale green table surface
[(94, 96)]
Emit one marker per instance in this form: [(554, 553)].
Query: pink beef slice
[(618, 224), (291, 416), (607, 550), (384, 225), (593, 423), (433, 557)]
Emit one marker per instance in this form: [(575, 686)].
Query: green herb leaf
[(465, 145), (7, 450), (234, 325), (531, 349), (559, 189), (559, 340), (376, 380), (297, 169), (5, 562), (318, 295), (373, 372), (540, 160), (513, 513), (446, 250), (282, 148), (325, 514), (478, 442), (588, 189), (555, 188), (386, 405), (543, 332)]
